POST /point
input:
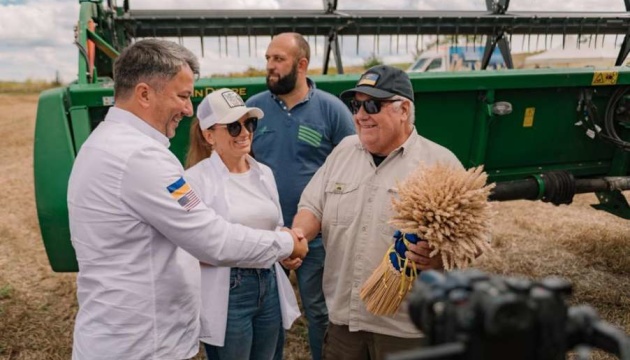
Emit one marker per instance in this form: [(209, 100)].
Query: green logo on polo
[(309, 136)]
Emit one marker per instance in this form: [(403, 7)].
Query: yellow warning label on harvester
[(605, 78), (528, 120)]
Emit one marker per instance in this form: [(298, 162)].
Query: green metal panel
[(80, 121), (53, 155)]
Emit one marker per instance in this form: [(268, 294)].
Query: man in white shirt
[(132, 212)]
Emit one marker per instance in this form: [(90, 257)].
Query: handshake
[(300, 249)]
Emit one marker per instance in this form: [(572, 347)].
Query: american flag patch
[(183, 193)]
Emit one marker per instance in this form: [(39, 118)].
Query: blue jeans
[(309, 277), (254, 318)]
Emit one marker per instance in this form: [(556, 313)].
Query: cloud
[(38, 23), (36, 39)]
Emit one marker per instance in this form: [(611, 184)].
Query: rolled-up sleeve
[(313, 196), (154, 189)]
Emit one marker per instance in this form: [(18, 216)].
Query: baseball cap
[(223, 106), (382, 82)]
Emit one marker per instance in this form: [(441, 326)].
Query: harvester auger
[(543, 134)]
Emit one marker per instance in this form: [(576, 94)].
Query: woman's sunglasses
[(234, 129), (371, 106)]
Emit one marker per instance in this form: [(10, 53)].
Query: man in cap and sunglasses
[(349, 201)]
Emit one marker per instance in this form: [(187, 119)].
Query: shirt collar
[(309, 94), (215, 161), (404, 148), (121, 116)]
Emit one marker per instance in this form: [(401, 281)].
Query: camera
[(471, 315)]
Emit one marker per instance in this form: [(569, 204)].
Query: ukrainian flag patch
[(369, 79), (183, 194)]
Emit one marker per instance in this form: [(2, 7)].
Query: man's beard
[(285, 84)]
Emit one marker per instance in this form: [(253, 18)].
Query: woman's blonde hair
[(198, 148)]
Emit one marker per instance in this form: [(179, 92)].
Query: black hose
[(559, 187)]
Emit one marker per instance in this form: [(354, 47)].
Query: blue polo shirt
[(295, 143)]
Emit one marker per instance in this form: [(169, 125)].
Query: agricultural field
[(37, 306)]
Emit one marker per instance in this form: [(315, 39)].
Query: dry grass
[(37, 306), (25, 87)]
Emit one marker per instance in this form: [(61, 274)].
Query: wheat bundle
[(444, 206)]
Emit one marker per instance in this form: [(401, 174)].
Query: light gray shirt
[(352, 199)]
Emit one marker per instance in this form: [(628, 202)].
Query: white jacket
[(131, 214), (208, 178)]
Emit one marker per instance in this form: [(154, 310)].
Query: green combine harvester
[(541, 134)]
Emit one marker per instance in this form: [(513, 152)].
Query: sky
[(36, 36)]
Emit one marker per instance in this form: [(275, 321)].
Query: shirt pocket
[(309, 137), (342, 202)]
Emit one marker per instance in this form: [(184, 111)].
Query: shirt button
[(363, 229)]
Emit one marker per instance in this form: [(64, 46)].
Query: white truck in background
[(455, 58)]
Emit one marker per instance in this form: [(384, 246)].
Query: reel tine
[(249, 41), (457, 35), (374, 44), (616, 38), (546, 33), (391, 40), (378, 44), (564, 39), (596, 33), (201, 36)]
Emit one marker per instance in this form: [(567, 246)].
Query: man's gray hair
[(152, 61), (412, 108)]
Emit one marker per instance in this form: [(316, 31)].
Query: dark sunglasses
[(371, 106), (234, 129)]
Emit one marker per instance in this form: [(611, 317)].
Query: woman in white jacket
[(242, 309)]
